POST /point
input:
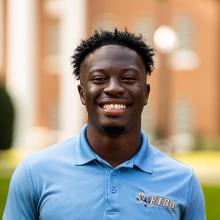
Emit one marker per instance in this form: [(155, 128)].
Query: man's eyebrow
[(96, 70), (131, 68)]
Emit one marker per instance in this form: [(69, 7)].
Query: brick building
[(39, 37)]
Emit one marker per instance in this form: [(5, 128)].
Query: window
[(185, 57), (183, 121), (184, 27), (145, 27)]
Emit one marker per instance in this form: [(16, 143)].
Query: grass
[(4, 183), (211, 192), (212, 198)]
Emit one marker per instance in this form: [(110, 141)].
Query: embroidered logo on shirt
[(155, 201)]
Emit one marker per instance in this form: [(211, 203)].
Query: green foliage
[(7, 116)]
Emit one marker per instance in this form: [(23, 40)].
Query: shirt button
[(114, 173), (113, 189)]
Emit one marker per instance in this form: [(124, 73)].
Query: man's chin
[(113, 131)]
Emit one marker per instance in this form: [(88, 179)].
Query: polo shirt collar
[(83, 152), (143, 159)]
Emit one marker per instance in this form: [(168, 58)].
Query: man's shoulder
[(62, 151), (168, 162)]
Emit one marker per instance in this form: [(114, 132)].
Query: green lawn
[(4, 182), (212, 196)]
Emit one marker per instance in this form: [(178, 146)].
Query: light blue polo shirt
[(68, 181)]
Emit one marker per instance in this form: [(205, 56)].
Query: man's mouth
[(113, 109), (114, 106)]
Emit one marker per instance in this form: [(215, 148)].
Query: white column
[(1, 37), (21, 66), (72, 30)]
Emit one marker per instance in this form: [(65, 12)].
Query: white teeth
[(114, 106)]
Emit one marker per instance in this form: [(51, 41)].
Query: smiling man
[(109, 171), (113, 88)]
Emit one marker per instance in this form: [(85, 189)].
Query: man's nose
[(114, 87)]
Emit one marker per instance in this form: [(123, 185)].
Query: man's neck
[(114, 149)]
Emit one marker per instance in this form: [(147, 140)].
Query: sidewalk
[(205, 164)]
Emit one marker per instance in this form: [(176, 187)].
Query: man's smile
[(114, 103), (113, 109), (114, 106)]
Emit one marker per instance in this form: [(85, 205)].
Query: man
[(110, 171)]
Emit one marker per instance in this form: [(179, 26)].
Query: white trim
[(1, 36)]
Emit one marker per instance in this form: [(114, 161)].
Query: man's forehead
[(112, 51)]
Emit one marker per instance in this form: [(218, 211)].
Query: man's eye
[(99, 79), (129, 79)]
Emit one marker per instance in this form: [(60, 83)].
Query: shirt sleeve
[(20, 202), (195, 209)]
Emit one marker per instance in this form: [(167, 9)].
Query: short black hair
[(116, 37)]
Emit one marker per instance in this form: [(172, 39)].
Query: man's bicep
[(20, 201)]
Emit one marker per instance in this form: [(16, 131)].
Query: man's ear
[(147, 93), (82, 94)]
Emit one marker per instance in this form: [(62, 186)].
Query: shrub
[(7, 116)]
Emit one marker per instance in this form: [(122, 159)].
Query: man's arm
[(195, 204), (21, 200)]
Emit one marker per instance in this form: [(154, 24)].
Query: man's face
[(113, 87)]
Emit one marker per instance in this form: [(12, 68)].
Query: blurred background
[(39, 103)]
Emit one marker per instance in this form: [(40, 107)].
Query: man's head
[(112, 68)]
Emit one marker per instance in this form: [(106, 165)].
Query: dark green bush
[(7, 116)]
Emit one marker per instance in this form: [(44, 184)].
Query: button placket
[(113, 189)]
